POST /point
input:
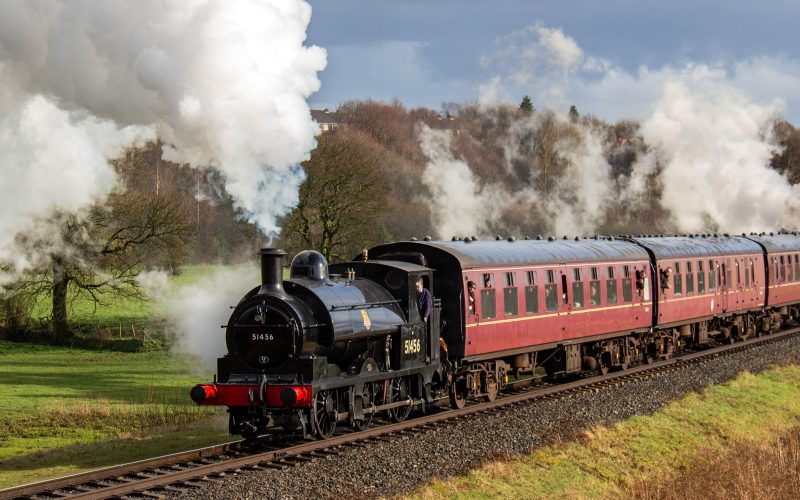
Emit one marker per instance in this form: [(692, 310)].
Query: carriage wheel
[(399, 392), (368, 399), (458, 396), (324, 404), (492, 386)]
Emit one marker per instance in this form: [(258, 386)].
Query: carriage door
[(725, 282)]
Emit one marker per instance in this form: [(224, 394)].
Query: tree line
[(364, 185)]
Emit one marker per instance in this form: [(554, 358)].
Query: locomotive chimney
[(272, 271)]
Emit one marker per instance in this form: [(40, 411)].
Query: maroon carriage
[(513, 305), (700, 278), (783, 269)]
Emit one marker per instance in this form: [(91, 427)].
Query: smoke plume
[(198, 311), (460, 205), (223, 83), (711, 148)]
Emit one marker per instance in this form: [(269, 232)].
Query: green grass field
[(64, 410), (614, 462)]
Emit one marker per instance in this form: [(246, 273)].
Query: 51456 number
[(412, 346)]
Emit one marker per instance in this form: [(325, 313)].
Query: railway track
[(182, 472)]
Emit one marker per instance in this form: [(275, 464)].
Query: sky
[(611, 59)]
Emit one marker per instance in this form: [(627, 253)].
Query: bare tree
[(100, 253), (341, 199)]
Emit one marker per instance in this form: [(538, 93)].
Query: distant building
[(327, 120)]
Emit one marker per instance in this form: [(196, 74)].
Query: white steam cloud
[(222, 82), (568, 196), (51, 160), (706, 127), (712, 145), (196, 312), (460, 206)]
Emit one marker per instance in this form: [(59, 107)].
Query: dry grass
[(750, 471)]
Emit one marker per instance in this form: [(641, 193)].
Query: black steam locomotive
[(330, 345), (339, 344)]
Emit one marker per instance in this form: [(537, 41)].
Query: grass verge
[(63, 410), (639, 455)]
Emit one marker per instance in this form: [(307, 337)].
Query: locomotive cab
[(331, 343)]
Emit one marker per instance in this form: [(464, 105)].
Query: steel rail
[(307, 451)]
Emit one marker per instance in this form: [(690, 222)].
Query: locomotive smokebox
[(272, 271)]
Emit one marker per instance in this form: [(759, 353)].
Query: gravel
[(404, 463)]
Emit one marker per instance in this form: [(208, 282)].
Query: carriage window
[(738, 275), (712, 281), (701, 278), (722, 276), (796, 269), (753, 272), (611, 286), (510, 301), (488, 281), (594, 287), (488, 303), (789, 268), (550, 293), (509, 279), (689, 279), (728, 273), (783, 270), (577, 289), (746, 273), (532, 299), (530, 278), (627, 284), (775, 269), (564, 289), (677, 280)]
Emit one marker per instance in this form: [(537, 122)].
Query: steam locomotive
[(339, 344)]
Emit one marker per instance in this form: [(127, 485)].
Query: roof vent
[(474, 238), (413, 238), (498, 238), (511, 239), (566, 237), (454, 238), (426, 238), (743, 234), (467, 240), (550, 238), (539, 237), (527, 237), (577, 238)]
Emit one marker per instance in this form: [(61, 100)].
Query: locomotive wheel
[(458, 396), (368, 399), (399, 392), (324, 404)]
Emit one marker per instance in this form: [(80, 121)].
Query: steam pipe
[(272, 271)]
